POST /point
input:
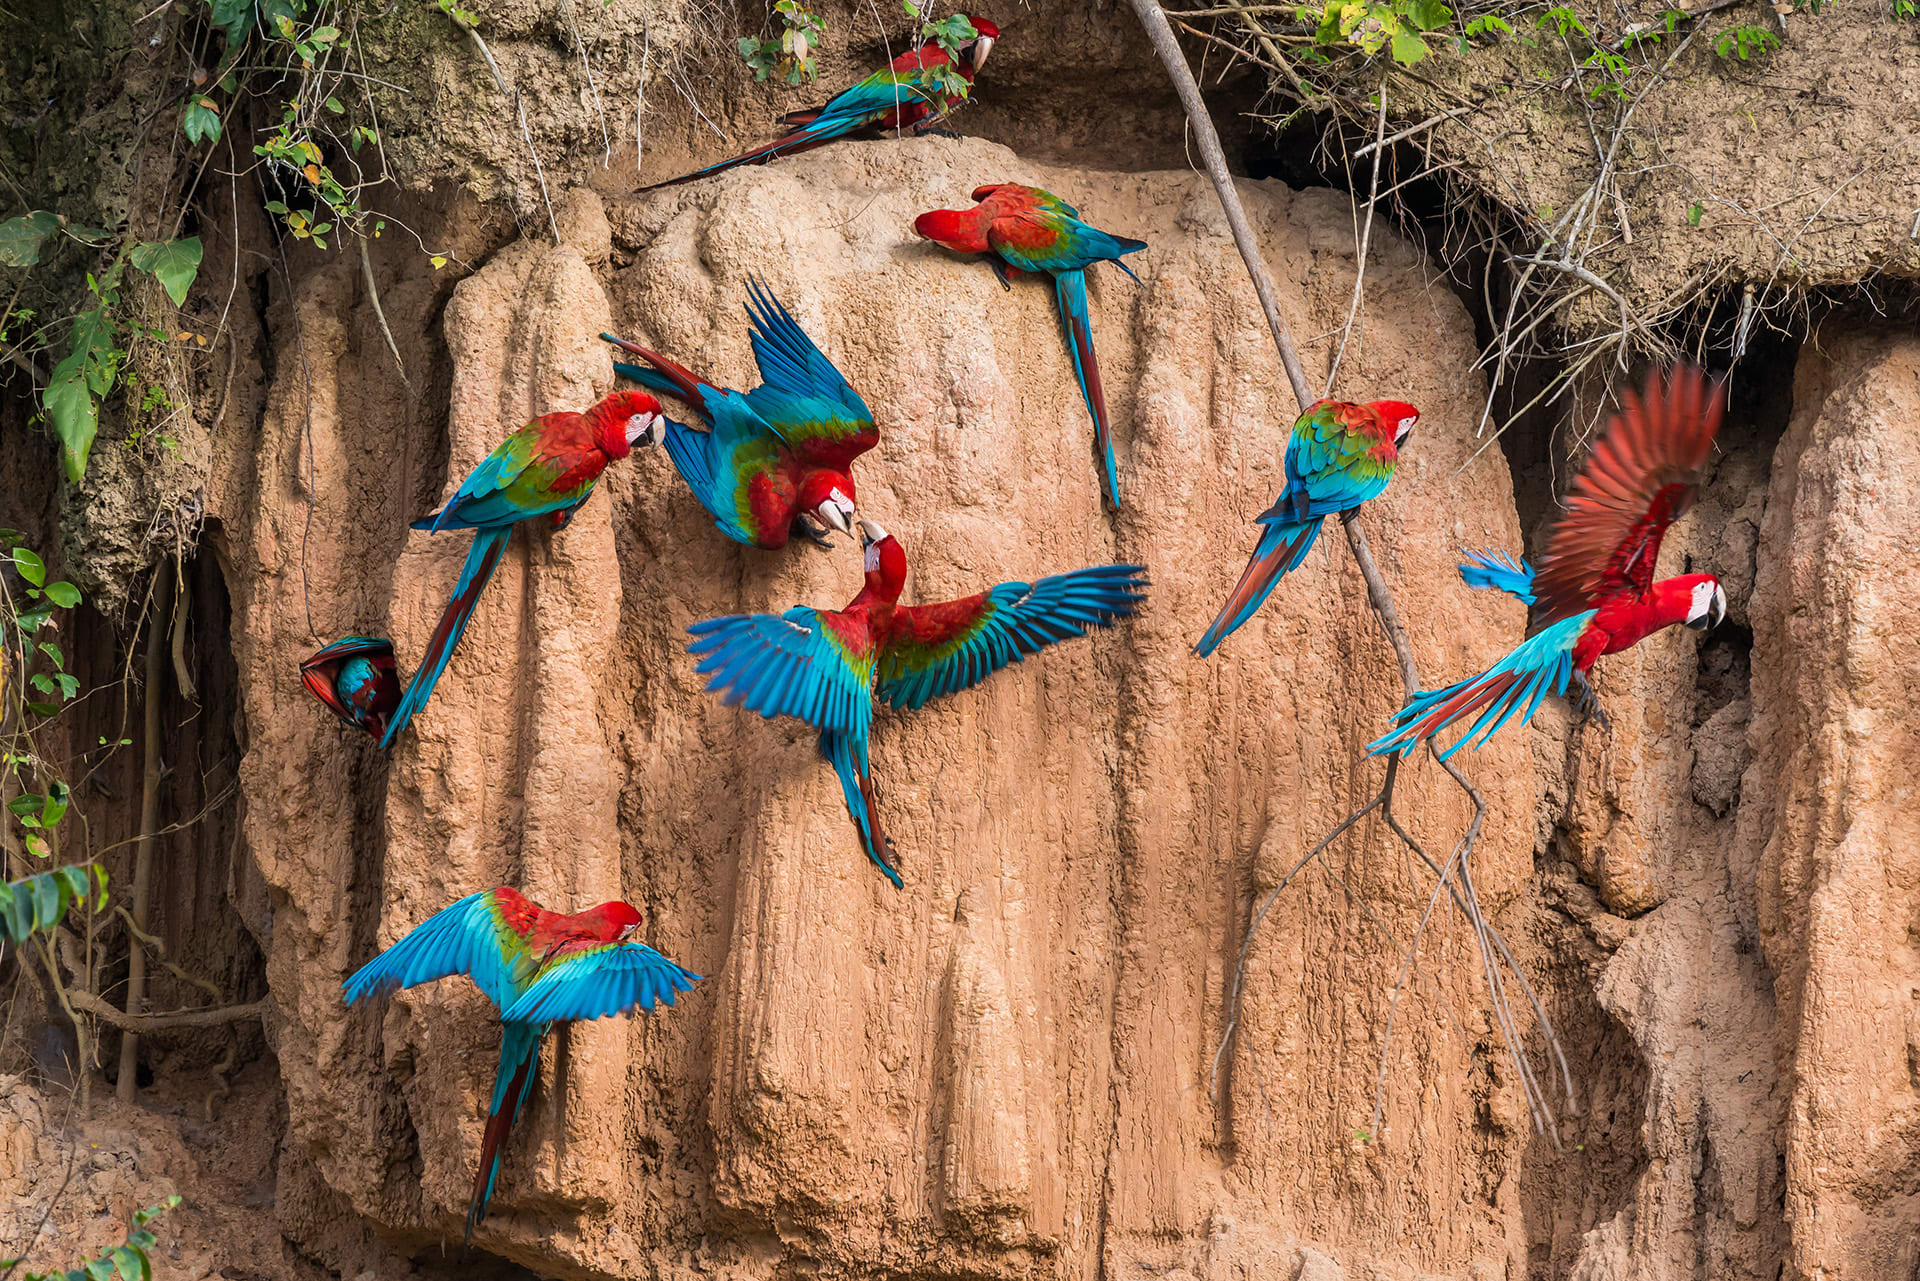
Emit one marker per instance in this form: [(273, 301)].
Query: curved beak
[(870, 532), (1715, 614), (835, 515), (982, 46)]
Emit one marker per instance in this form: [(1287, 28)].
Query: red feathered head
[(625, 419), (886, 560), (977, 49), (957, 229), (1397, 416)]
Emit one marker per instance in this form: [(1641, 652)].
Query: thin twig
[(520, 106), (1360, 262), (1380, 144), (379, 312), (1214, 160), (135, 1023)]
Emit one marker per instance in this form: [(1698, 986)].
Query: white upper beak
[(870, 532), (982, 46)]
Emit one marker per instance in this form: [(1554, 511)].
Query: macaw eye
[(1406, 425)]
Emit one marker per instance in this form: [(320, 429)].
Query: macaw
[(1027, 229), (1595, 586), (538, 968), (780, 457), (547, 468), (356, 677), (910, 93), (824, 667), (1338, 457)]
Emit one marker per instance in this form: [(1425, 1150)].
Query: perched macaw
[(1027, 229), (538, 968), (1595, 586), (1338, 457), (547, 468), (780, 457), (824, 667), (910, 94), (356, 677)]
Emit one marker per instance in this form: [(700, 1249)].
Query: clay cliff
[(1019, 1065)]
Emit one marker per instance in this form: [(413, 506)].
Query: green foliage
[(21, 238), (173, 263), (41, 798), (1400, 27), (1746, 42), (36, 903), (790, 54), (950, 33), (131, 1261)]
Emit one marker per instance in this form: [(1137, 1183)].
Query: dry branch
[(149, 819)]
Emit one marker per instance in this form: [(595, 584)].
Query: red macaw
[(538, 968), (778, 458), (910, 93), (823, 666), (1026, 229), (1595, 587), (357, 679), (1338, 457), (547, 468)]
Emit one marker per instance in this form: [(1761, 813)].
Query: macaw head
[(962, 230), (975, 51), (828, 497), (1706, 601), (1398, 417), (886, 560), (625, 419), (613, 922)]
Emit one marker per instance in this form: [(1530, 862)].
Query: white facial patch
[(1703, 594), (873, 557), (639, 428), (1406, 425)]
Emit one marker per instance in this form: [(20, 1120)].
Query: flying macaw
[(538, 968), (1595, 585), (824, 667), (1338, 457), (910, 93), (1027, 229), (547, 468), (356, 677), (780, 457)]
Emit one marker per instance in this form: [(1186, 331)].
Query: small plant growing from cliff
[(790, 54), (949, 33), (1746, 42), (132, 1260)]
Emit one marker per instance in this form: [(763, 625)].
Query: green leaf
[(201, 121), (47, 900), (25, 805), (43, 683), (31, 567), (69, 685), (132, 1263), (100, 1270), (1429, 15), (93, 338), (1408, 49), (235, 17), (74, 413), (59, 796), (333, 105), (21, 238), (173, 263), (63, 594)]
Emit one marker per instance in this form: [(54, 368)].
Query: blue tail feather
[(512, 1083), (1071, 289), (489, 542), (1540, 665), (849, 758), (651, 379), (1281, 549)]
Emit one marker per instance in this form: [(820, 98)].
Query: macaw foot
[(1005, 274), (812, 531), (1586, 705), (941, 131)]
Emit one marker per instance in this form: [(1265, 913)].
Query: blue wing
[(801, 663), (601, 981), (938, 649), (469, 938), (1500, 572)]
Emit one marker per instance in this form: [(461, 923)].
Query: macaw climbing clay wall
[(1014, 1066)]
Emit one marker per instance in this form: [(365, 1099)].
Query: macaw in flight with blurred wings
[(547, 468), (824, 666), (912, 94), (357, 679), (1595, 586), (1338, 457), (538, 968), (779, 458), (1026, 229)]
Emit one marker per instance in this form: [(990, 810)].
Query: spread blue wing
[(1501, 572), (811, 664), (601, 981), (469, 937), (938, 649)]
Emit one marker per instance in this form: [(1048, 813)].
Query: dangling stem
[(157, 650)]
